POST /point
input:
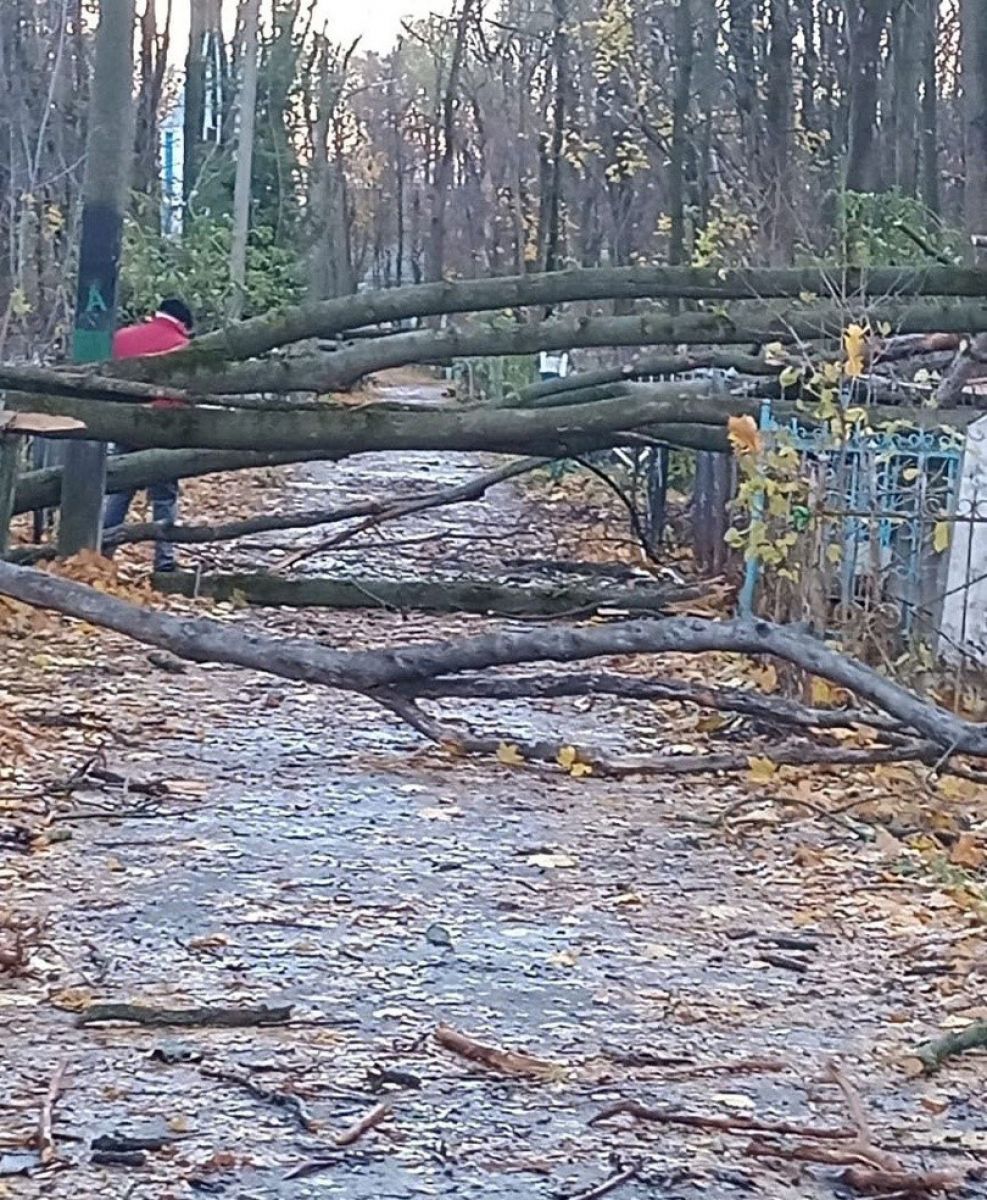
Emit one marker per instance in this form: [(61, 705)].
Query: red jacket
[(160, 335)]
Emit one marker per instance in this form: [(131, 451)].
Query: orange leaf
[(745, 438)]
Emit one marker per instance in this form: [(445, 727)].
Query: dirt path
[(334, 865)]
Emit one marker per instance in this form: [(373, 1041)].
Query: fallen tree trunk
[(202, 640), (42, 489), (415, 595), (342, 368), (338, 431), (326, 319)]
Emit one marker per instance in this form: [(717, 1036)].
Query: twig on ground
[(874, 1180), (45, 1139), (506, 1061), (548, 752), (785, 961), (118, 1158), (206, 1016), (608, 1185), (861, 1173), (642, 1112), (367, 1122), (934, 1053), (286, 1100), (348, 1137)]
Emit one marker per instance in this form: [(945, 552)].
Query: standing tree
[(974, 32), (109, 153), (245, 159)]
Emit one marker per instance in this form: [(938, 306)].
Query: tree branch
[(247, 339), (342, 368), (204, 640)]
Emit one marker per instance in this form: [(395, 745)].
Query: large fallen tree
[(341, 369), (396, 676), (328, 318)]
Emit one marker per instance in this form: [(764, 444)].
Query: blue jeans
[(164, 507)]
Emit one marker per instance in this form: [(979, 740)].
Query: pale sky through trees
[(376, 22)]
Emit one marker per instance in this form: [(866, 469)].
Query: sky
[(376, 22)]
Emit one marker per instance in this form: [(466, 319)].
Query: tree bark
[(407, 595), (865, 30), (930, 107), (339, 370), (336, 432), (109, 155), (244, 161), (329, 318), (203, 640), (779, 114), (974, 46), (681, 96), (43, 488)]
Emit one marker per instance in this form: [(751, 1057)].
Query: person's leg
[(164, 507), (117, 504), (115, 510)]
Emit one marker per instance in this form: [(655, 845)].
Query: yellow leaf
[(509, 755), (567, 757), (808, 297), (761, 770), (789, 377), (940, 536), (711, 723), (765, 678), (854, 339), (822, 692), (834, 553), (910, 474), (967, 852), (73, 999), (744, 435)]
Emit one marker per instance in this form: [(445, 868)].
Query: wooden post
[(109, 152), (10, 450)]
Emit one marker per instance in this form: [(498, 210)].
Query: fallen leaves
[(761, 769), (569, 760), (509, 755)]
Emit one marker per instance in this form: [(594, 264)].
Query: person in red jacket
[(169, 329)]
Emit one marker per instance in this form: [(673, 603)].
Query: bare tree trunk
[(244, 162), (442, 182), (930, 108), (974, 34), (553, 202), (779, 115), (865, 31), (906, 64), (682, 94), (109, 156), (195, 97)]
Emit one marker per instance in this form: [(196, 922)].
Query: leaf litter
[(298, 844)]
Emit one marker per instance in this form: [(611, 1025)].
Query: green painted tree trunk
[(109, 153)]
